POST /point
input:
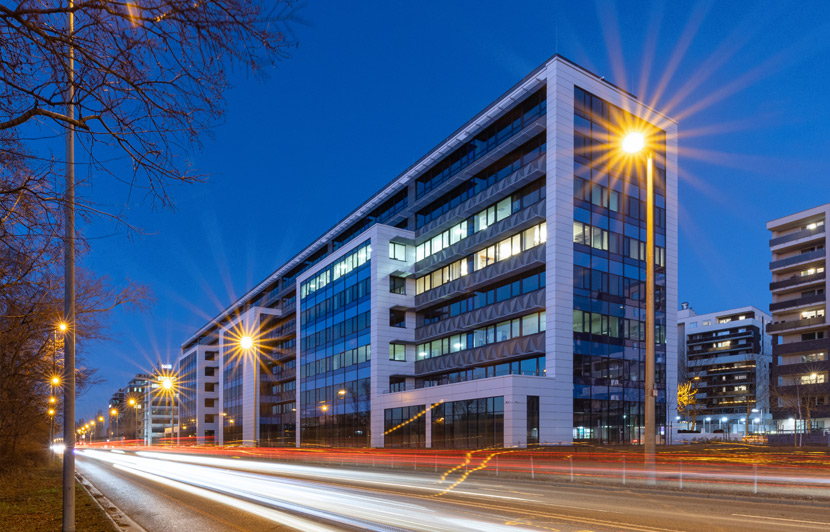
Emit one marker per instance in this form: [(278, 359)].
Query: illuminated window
[(397, 251), (397, 352)]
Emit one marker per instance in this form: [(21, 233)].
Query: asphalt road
[(166, 492)]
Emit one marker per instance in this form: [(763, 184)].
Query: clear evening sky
[(374, 85)]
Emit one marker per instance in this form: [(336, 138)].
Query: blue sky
[(374, 85)]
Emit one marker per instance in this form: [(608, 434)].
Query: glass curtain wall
[(469, 424), (336, 353), (277, 382), (232, 397), (610, 272), (187, 396)]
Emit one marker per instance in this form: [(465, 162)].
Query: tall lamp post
[(634, 143), (68, 516)]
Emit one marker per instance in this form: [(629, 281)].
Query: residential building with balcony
[(726, 357), (490, 295), (801, 333)]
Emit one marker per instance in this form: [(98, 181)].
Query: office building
[(726, 357), (490, 295), (801, 334)]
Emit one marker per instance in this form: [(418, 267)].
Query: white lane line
[(784, 519)]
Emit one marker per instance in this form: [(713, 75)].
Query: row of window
[(516, 286), (482, 219), (339, 301), (618, 202), (349, 326), (489, 138), (801, 359), (346, 359), (605, 240), (534, 367), (379, 215), (350, 262), (505, 249), (613, 326), (507, 165), (500, 332), (586, 279)]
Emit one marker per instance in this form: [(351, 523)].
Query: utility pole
[(69, 294)]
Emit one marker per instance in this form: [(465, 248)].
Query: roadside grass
[(30, 501)]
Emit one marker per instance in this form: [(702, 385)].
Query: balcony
[(807, 346), (524, 175), (524, 261), (818, 254), (797, 280), (773, 328), (533, 344), (798, 235), (798, 302)]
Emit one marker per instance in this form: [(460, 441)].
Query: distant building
[(115, 408), (158, 409), (726, 357), (800, 328)]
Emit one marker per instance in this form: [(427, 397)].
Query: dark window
[(397, 285), (533, 420), (397, 318)]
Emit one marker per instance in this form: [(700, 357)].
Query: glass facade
[(470, 424), (609, 275), (232, 397), (404, 427), (187, 384), (336, 353), (277, 382)]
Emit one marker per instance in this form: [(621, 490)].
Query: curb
[(119, 519)]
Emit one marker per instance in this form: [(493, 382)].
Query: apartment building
[(801, 334), (726, 357), (490, 295)]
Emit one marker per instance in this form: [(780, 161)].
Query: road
[(175, 492)]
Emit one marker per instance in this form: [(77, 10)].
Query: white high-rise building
[(490, 295)]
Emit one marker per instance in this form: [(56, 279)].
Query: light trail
[(275, 497)]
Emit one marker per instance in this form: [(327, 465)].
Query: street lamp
[(168, 387), (246, 342), (114, 413), (634, 143)]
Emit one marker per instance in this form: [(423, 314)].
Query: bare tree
[(149, 75)]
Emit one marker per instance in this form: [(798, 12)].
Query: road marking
[(784, 519)]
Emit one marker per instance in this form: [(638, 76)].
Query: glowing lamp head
[(51, 411), (131, 401), (114, 412), (341, 392), (246, 342), (52, 399), (56, 380), (325, 407), (166, 383), (101, 418), (62, 326), (633, 142)]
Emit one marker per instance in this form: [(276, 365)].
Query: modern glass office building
[(493, 294)]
